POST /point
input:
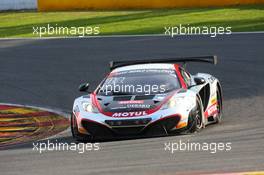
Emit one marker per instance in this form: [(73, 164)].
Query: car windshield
[(139, 82)]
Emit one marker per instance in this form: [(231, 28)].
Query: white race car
[(148, 98)]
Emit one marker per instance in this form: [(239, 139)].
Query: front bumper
[(131, 127)]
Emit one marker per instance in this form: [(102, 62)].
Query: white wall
[(17, 4)]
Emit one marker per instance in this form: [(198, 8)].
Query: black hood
[(129, 103)]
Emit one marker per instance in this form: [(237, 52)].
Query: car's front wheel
[(75, 132), (195, 121)]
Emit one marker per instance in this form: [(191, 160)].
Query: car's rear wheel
[(218, 118), (75, 132), (195, 121)]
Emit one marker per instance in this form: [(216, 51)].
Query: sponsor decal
[(131, 102), (118, 107), (212, 110), (169, 71), (213, 101), (139, 106), (129, 114)]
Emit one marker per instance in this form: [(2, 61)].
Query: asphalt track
[(47, 73)]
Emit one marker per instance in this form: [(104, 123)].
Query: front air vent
[(144, 97), (106, 104), (156, 101), (122, 98)]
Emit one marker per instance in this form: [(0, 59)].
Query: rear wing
[(201, 59)]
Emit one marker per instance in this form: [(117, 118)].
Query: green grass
[(240, 18)]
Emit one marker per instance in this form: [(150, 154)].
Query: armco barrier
[(53, 5)]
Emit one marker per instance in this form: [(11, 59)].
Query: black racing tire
[(79, 137), (219, 116), (195, 121)]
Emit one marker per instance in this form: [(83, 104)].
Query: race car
[(148, 98)]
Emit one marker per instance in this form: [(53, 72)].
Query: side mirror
[(84, 87), (199, 80)]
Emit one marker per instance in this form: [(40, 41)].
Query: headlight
[(173, 102), (88, 107)]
